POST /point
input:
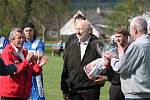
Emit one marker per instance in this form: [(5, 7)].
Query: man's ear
[(134, 30)]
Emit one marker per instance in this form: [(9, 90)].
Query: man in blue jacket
[(33, 45), (3, 42)]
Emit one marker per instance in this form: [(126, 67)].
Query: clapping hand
[(30, 57), (43, 60)]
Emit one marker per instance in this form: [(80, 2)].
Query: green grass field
[(52, 71)]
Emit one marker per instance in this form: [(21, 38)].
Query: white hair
[(139, 23), (12, 34)]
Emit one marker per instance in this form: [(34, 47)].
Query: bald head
[(140, 24), (83, 23), (82, 29), (79, 17)]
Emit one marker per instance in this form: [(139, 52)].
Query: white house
[(69, 27)]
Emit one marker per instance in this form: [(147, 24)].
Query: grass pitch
[(51, 73)]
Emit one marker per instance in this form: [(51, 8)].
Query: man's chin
[(119, 43), (20, 46), (27, 38)]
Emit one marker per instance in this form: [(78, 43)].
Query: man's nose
[(22, 39)]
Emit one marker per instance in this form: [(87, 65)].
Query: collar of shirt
[(30, 41), (86, 42), (83, 46), (18, 51), (142, 36)]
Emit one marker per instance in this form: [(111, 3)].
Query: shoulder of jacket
[(8, 49), (36, 41), (2, 39)]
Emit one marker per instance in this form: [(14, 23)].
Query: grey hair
[(139, 23), (12, 34)]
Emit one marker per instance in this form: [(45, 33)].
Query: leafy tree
[(49, 13), (11, 14), (27, 10), (124, 11), (44, 13)]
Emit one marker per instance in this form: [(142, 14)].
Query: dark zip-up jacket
[(73, 77), (6, 69)]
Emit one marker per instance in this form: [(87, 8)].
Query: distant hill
[(88, 4), (94, 1)]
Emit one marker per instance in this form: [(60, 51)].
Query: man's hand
[(100, 79), (108, 55), (30, 57), (121, 50), (66, 97)]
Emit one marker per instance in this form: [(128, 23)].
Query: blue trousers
[(37, 91)]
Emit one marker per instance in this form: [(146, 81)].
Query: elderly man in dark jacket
[(75, 84)]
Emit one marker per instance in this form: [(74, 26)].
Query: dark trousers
[(9, 98), (115, 93), (90, 95), (59, 52)]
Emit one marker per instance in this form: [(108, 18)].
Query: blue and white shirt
[(3, 43), (35, 45)]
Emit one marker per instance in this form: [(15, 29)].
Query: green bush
[(5, 30), (48, 49)]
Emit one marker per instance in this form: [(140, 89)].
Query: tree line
[(44, 13), (51, 13)]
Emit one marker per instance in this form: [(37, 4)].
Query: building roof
[(69, 27)]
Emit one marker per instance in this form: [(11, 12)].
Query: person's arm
[(7, 69), (129, 61), (41, 47), (37, 67), (6, 41), (68, 41), (10, 58), (64, 78)]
